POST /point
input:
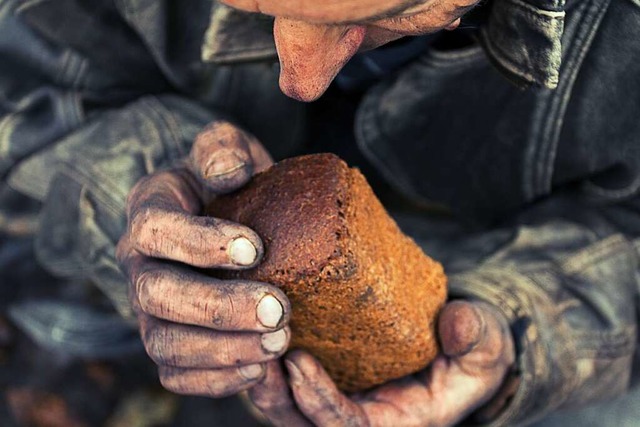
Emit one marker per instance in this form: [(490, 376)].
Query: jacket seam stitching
[(558, 103), (594, 254), (170, 124), (512, 66), (538, 11), (366, 129), (266, 47), (506, 63), (28, 4), (630, 190), (477, 286)]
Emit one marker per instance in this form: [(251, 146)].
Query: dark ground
[(40, 389)]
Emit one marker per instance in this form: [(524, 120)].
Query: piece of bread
[(364, 296)]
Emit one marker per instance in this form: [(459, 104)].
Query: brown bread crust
[(364, 296)]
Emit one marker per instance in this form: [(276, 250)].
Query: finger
[(180, 295), (460, 328), (499, 401), (273, 398), (163, 224), (476, 336), (221, 157), (478, 351), (210, 382), (129, 260), (317, 396), (442, 395), (455, 384), (396, 404), (261, 158), (490, 358), (175, 190), (171, 344)]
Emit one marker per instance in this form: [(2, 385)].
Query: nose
[(311, 55)]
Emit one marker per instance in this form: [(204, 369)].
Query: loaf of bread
[(364, 296)]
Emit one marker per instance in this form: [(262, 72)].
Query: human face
[(316, 38)]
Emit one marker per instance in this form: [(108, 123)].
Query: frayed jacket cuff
[(553, 372)]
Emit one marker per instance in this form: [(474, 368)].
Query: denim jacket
[(539, 171)]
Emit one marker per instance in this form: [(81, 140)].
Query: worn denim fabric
[(540, 178)]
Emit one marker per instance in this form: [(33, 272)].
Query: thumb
[(476, 335), (461, 328), (225, 157)]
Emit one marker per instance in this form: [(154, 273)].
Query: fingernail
[(274, 342), (251, 372), (295, 374), (461, 329), (242, 251), (476, 334), (270, 311), (223, 164)]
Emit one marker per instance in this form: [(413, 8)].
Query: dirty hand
[(208, 337), (477, 352)]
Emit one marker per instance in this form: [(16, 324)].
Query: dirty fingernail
[(242, 251), (251, 372), (223, 164), (294, 373), (461, 329), (270, 311), (274, 342)]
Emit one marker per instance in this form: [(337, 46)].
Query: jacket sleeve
[(564, 274), (84, 178), (77, 130), (91, 100)]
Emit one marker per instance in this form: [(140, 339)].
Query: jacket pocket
[(449, 129)]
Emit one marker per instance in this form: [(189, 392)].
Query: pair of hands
[(216, 338)]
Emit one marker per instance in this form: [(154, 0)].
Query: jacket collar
[(235, 36), (521, 37)]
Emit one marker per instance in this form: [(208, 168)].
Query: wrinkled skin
[(315, 39), (208, 337), (477, 352), (216, 338)]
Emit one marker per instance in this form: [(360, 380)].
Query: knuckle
[(222, 388), (138, 188), (268, 402), (225, 128), (218, 134), (133, 299), (141, 226), (229, 312), (222, 309), (318, 408), (172, 381), (203, 383), (157, 346), (122, 249), (146, 285), (226, 355)]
